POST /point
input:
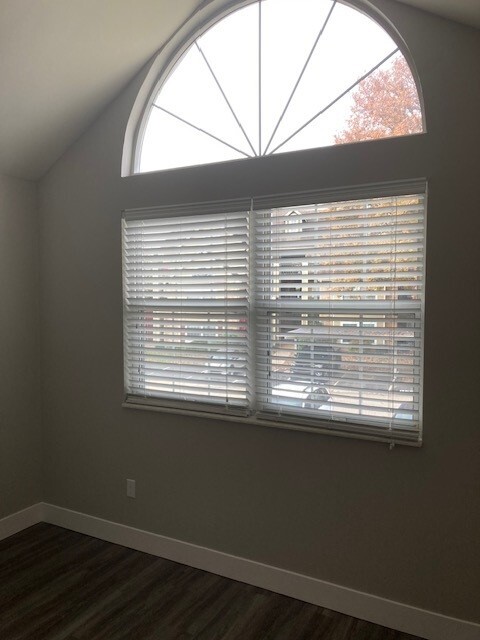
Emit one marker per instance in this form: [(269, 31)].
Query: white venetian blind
[(186, 292), (339, 290)]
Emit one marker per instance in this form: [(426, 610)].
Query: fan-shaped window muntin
[(275, 76)]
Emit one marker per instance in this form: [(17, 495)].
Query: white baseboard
[(402, 617), (20, 520)]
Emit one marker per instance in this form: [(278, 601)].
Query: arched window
[(278, 305), (275, 76)]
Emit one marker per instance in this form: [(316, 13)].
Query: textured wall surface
[(402, 524)]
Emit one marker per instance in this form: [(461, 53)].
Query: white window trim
[(322, 426)]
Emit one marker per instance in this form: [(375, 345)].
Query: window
[(274, 76), (300, 310), (187, 307), (211, 323)]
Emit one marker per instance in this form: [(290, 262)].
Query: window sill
[(324, 428)]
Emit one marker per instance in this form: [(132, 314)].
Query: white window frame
[(321, 426)]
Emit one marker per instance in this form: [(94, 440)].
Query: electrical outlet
[(130, 488)]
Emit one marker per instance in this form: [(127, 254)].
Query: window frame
[(322, 426), (194, 27)]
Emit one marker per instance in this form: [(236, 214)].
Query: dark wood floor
[(60, 585)]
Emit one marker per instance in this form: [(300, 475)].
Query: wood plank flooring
[(60, 585)]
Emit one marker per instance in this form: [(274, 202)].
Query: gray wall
[(403, 524), (20, 436)]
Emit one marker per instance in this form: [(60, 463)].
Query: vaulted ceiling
[(62, 62), (466, 11)]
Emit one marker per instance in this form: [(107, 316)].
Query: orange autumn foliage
[(385, 104)]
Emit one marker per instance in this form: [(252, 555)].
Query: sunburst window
[(277, 76)]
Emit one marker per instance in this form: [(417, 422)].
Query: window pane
[(361, 366), (192, 93), (169, 143), (339, 311), (287, 39), (383, 105), (231, 47), (350, 46), (188, 355), (186, 308)]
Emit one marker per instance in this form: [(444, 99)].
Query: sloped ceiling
[(63, 61), (466, 11)]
